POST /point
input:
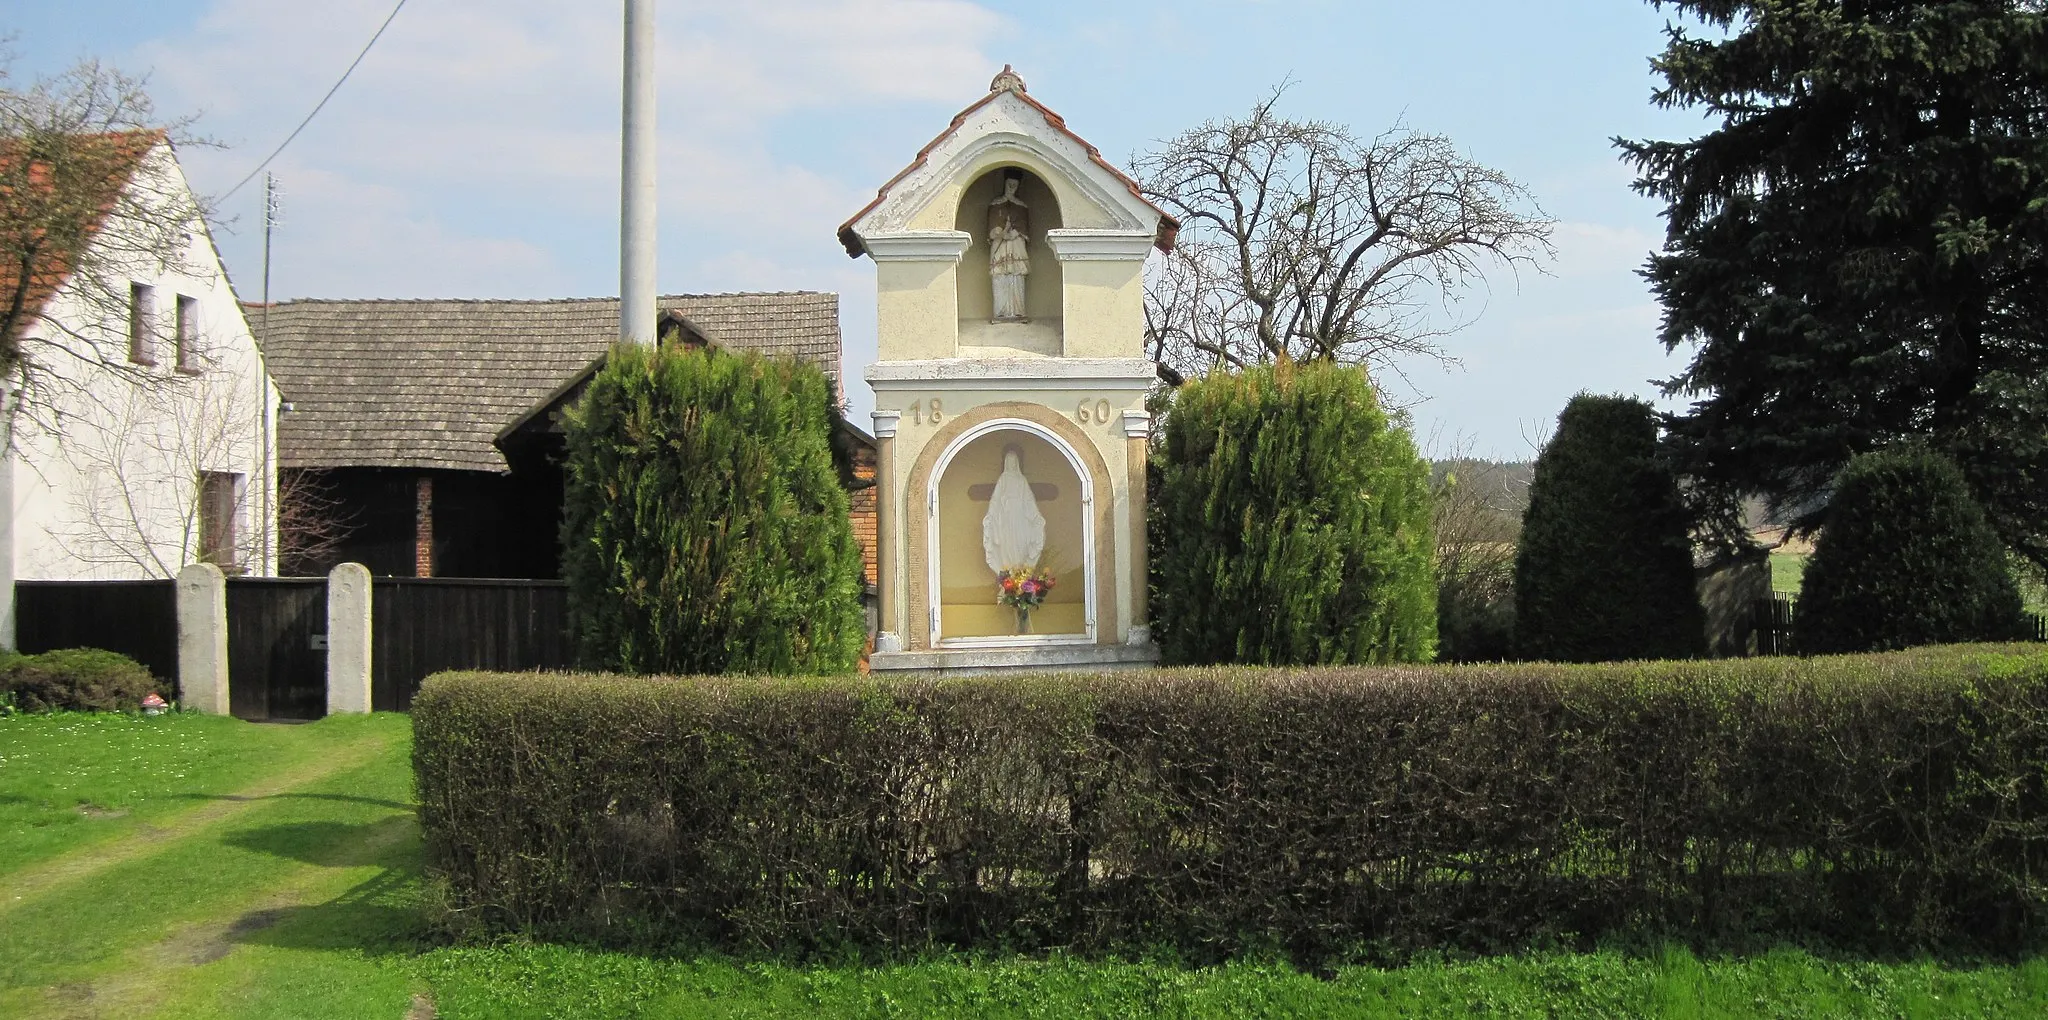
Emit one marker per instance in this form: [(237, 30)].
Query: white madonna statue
[(1013, 531), (1009, 253)]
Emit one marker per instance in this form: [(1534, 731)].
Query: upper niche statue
[(1009, 252)]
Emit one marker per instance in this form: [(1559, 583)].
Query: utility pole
[(273, 199), (636, 179)]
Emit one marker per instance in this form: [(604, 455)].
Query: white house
[(142, 417)]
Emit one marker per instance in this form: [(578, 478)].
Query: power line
[(322, 103)]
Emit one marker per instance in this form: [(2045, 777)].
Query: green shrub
[(1879, 802), (1293, 523), (76, 680), (704, 526), (1905, 558), (1604, 571)]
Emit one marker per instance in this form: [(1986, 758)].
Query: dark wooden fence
[(1774, 625), (277, 647), (139, 619), (423, 625)]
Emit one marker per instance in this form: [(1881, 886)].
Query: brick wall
[(863, 508)]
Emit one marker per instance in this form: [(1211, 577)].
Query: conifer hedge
[(1906, 558), (1872, 803), (1292, 523), (704, 527), (1604, 567)]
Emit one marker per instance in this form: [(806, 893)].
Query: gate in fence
[(277, 647), (139, 619), (420, 626)]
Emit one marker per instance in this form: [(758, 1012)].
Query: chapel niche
[(966, 582), (1037, 331)]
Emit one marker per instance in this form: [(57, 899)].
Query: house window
[(219, 496), (188, 334), (141, 324)]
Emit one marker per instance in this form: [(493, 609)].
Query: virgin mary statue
[(1013, 532)]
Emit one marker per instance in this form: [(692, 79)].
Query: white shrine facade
[(1010, 391)]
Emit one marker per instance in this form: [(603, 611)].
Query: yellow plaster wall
[(1104, 309), (915, 311)]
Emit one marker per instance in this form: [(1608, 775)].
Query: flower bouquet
[(1023, 588)]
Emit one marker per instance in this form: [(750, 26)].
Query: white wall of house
[(103, 479)]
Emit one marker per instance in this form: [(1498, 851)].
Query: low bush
[(1906, 557), (1886, 801), (76, 680)]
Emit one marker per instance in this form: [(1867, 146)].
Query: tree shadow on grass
[(379, 916), (344, 798), (333, 844)]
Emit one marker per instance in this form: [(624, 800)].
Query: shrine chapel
[(1010, 391)]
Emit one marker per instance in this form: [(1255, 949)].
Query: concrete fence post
[(348, 639), (203, 639)]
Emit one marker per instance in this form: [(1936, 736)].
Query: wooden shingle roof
[(429, 384)]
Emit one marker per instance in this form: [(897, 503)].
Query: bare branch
[(1299, 241)]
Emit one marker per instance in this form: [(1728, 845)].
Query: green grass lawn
[(203, 867), (1787, 569)]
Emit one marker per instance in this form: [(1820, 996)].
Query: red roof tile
[(21, 233)]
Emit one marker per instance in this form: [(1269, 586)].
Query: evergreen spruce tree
[(705, 529), (1292, 522), (1906, 558), (1604, 568), (1856, 251)]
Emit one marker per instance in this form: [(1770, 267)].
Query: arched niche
[(1040, 334), (964, 585)]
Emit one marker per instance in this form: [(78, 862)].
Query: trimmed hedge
[(76, 680), (1887, 801), (1294, 523), (1905, 558)]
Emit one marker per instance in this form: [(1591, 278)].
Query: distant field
[(1787, 570)]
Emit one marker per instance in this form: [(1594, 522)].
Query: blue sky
[(475, 153)]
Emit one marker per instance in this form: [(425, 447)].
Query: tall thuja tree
[(1855, 252), (704, 527), (1604, 568), (1292, 523), (1906, 559)]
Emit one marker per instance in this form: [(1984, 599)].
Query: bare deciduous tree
[(312, 522), (142, 456), (1301, 241), (87, 200)]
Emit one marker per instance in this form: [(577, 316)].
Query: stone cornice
[(918, 245), (1099, 245), (1015, 374)]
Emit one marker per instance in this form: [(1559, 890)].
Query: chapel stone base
[(1069, 659)]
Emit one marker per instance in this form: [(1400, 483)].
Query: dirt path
[(137, 986), (37, 879)]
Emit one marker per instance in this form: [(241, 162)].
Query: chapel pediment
[(1006, 128)]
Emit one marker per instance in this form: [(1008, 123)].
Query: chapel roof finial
[(1007, 81)]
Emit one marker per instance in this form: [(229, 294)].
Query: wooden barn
[(420, 438)]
